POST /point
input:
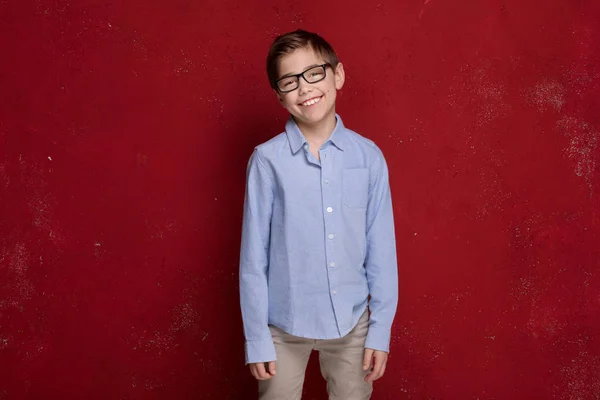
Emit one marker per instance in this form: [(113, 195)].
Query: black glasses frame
[(301, 74)]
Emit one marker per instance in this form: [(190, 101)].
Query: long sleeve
[(254, 261), (381, 265)]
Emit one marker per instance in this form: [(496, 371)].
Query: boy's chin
[(311, 119)]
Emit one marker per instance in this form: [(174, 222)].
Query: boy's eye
[(315, 75)]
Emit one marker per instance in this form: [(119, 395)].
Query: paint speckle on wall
[(159, 342), (51, 9), (146, 384), (583, 148), (159, 228), (150, 384), (35, 347), (40, 201), (16, 287), (5, 341), (493, 193), (577, 377), (183, 64), (544, 318), (524, 289), (4, 176), (99, 250), (477, 90), (547, 95), (154, 343), (580, 78), (424, 343), (185, 319)]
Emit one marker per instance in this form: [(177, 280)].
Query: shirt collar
[(297, 139)]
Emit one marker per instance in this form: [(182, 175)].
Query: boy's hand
[(375, 359), (263, 370)]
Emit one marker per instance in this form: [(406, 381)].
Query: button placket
[(331, 216)]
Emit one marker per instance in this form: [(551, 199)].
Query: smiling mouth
[(312, 101)]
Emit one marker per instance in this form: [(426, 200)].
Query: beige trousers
[(341, 363)]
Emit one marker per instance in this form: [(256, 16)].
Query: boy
[(317, 237)]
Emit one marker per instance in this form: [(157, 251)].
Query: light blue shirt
[(317, 240)]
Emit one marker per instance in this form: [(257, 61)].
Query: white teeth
[(311, 102)]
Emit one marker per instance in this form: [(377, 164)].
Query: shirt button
[(332, 264), (331, 236), (329, 209), (333, 292), (327, 181)]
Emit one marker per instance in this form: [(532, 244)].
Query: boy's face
[(310, 103)]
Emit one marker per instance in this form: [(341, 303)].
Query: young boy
[(317, 237)]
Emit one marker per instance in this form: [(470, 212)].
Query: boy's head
[(305, 73)]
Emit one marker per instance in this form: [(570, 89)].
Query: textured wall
[(125, 128)]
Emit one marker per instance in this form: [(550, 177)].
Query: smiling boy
[(318, 251)]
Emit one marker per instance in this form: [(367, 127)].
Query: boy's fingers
[(380, 359), (254, 371), (264, 374), (367, 359), (259, 372), (378, 367), (272, 368)]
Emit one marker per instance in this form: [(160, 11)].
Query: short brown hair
[(287, 43)]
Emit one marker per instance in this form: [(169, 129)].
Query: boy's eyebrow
[(304, 70)]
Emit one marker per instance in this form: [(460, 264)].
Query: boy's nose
[(303, 87)]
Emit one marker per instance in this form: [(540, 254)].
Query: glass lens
[(289, 83), (315, 74)]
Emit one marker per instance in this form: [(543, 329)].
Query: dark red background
[(124, 135)]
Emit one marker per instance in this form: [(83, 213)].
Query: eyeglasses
[(311, 75)]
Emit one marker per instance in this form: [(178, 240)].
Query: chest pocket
[(355, 190)]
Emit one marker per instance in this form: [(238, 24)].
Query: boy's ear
[(340, 76)]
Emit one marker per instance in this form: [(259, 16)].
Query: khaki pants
[(341, 363)]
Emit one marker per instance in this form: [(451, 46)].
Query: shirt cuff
[(378, 338), (262, 350)]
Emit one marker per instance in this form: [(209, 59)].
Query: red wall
[(125, 128)]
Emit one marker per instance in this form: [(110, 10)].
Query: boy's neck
[(320, 132)]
